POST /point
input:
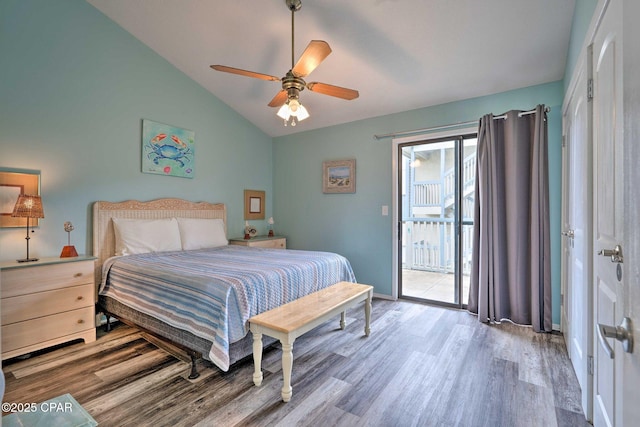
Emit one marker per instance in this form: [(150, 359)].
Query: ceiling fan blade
[(331, 90), (313, 55), (279, 99), (246, 73)]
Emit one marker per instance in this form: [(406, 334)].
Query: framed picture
[(339, 176), (167, 150), (253, 204), (14, 182)]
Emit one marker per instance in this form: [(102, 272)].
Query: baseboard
[(383, 296)]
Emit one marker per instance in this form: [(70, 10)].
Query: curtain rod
[(522, 113), (451, 126)]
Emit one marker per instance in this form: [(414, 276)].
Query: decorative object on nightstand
[(249, 230), (270, 226), (28, 206), (69, 250)]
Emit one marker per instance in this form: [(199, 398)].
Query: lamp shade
[(28, 206), (284, 112)]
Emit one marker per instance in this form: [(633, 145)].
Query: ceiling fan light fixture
[(298, 109), (292, 112)]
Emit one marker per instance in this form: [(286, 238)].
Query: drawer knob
[(79, 297), (80, 321), (77, 275)]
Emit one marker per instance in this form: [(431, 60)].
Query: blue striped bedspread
[(212, 293)]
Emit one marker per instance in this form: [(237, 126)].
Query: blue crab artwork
[(176, 152), (167, 156)]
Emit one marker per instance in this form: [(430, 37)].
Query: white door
[(609, 285), (631, 388), (577, 246)]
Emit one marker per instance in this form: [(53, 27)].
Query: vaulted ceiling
[(399, 54)]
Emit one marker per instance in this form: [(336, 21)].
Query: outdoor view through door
[(436, 206)]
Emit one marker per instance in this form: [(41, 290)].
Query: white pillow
[(138, 236), (198, 233)]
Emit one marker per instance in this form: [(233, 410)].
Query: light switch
[(385, 210)]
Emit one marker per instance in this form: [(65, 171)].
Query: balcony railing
[(441, 192), (429, 244)]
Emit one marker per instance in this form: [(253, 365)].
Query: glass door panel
[(436, 211), (467, 201)]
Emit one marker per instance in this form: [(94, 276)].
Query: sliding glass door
[(435, 206)]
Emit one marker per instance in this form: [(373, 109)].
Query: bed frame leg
[(107, 326), (194, 371)]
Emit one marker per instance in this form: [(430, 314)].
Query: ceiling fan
[(291, 110)]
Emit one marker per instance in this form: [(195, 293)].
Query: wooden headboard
[(103, 235)]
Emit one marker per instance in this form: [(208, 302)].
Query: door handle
[(622, 333), (615, 254)]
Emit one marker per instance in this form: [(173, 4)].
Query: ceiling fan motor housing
[(293, 85)]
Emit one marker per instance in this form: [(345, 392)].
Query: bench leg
[(257, 358), (343, 321), (287, 367), (367, 315)]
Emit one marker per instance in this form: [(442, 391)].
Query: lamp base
[(27, 259), (68, 252)]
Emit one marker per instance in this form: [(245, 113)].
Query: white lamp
[(292, 111)]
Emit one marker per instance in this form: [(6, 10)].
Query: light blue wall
[(74, 88), (352, 224), (582, 15)]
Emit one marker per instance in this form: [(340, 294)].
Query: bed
[(197, 298)]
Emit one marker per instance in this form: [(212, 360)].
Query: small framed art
[(253, 204), (339, 176)]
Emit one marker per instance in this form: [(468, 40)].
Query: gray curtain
[(511, 270)]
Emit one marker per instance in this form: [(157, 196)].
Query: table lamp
[(28, 206)]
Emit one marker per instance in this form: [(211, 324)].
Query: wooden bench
[(293, 319)]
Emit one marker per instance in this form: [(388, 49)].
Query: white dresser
[(46, 302)]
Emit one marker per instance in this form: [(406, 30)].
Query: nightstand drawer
[(275, 243), (39, 304), (20, 281), (34, 331)]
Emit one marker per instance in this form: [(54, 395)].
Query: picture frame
[(167, 150), (14, 182), (339, 176), (253, 204)]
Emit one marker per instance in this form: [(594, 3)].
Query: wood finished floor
[(421, 366)]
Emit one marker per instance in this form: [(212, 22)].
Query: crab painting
[(177, 152), (167, 150)]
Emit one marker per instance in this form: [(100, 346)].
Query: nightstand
[(276, 242), (46, 302)]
